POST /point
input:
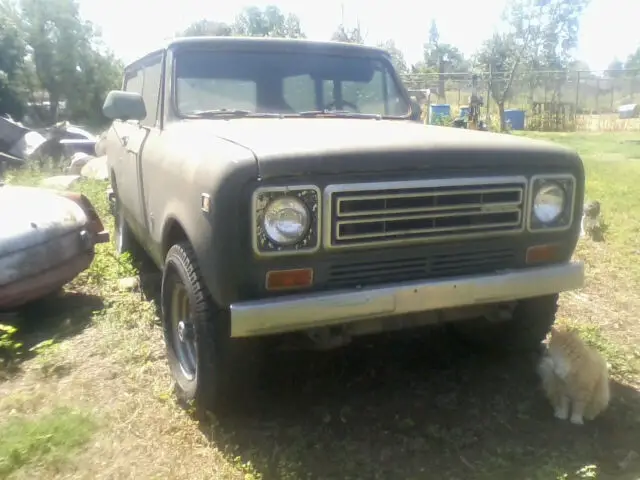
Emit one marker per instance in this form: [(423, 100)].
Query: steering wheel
[(352, 106)]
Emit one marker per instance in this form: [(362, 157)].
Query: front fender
[(216, 234)]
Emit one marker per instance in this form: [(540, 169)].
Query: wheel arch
[(175, 231)]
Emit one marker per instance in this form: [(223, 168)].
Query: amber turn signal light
[(289, 279), (542, 254)]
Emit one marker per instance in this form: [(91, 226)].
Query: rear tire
[(210, 368), (124, 238), (532, 320), (126, 242)]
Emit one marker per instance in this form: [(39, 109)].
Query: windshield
[(285, 83)]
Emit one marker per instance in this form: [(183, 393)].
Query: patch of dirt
[(412, 405), (400, 406), (142, 433)]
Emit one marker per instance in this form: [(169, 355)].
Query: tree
[(442, 58), (615, 69), (541, 34), (56, 35), (69, 62), (633, 61), (204, 27), (397, 57), (348, 35), (98, 73), (502, 56), (13, 50), (270, 22)]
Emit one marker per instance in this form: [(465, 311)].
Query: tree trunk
[(442, 95), (502, 120), (54, 105)]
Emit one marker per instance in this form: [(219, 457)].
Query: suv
[(288, 187)]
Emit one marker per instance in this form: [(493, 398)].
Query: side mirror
[(120, 105), (416, 111)]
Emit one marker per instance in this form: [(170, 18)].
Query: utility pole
[(490, 79)]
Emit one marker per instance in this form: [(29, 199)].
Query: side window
[(371, 96), (397, 105), (133, 81), (299, 92), (151, 91), (368, 96)]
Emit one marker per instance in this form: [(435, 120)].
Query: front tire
[(209, 367), (531, 320)]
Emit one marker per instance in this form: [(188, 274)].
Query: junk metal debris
[(46, 239), (20, 145)]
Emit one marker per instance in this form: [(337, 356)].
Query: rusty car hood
[(31, 216), (286, 146)]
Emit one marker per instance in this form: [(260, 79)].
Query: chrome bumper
[(319, 309)]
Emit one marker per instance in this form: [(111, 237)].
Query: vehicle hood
[(31, 216), (333, 145)]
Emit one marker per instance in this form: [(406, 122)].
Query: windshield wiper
[(227, 112), (337, 113)]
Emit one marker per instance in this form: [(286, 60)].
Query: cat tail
[(600, 399)]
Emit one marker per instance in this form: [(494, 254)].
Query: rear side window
[(146, 81), (151, 91), (133, 81)]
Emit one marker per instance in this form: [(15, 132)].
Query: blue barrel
[(515, 118), (464, 111), (442, 110)]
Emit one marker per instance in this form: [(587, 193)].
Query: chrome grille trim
[(498, 203)]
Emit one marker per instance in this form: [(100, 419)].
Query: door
[(128, 137), (134, 139)]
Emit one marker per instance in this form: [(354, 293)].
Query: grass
[(51, 438), (419, 406)]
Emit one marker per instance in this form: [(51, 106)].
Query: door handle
[(125, 141)]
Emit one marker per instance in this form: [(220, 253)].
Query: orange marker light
[(542, 254), (289, 279)]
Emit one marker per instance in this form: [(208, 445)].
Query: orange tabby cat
[(574, 375)]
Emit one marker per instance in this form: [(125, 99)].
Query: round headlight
[(286, 220), (549, 202)]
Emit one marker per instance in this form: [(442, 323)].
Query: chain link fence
[(580, 97)]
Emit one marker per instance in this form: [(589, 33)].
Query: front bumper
[(320, 309)]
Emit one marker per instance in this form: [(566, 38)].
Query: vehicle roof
[(268, 43)]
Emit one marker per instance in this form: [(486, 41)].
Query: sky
[(131, 28)]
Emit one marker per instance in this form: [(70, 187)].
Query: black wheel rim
[(183, 331)]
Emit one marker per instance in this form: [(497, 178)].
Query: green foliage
[(442, 120), (12, 55), (442, 57), (50, 438), (269, 22), (9, 347), (251, 22), (540, 35), (204, 27), (397, 57), (348, 35), (633, 61), (47, 51)]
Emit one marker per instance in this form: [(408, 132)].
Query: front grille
[(431, 210), (457, 262)]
